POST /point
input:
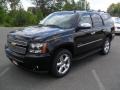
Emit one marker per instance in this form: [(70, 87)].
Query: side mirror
[(85, 26), (40, 21)]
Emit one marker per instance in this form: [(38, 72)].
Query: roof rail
[(102, 11), (91, 10), (96, 11)]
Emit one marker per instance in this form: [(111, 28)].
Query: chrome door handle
[(92, 33)]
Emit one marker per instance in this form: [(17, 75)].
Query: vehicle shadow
[(85, 61)]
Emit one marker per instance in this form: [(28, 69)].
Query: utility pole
[(85, 4)]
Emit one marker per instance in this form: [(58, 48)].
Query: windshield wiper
[(51, 25)]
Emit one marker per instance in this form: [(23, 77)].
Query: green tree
[(17, 16), (13, 4), (114, 9), (23, 18), (41, 6), (79, 5), (3, 8), (3, 4), (2, 15)]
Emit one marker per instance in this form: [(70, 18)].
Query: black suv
[(60, 38)]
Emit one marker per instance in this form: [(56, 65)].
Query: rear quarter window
[(107, 19)]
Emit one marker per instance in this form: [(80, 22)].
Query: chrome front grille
[(19, 42), (17, 49), (16, 45)]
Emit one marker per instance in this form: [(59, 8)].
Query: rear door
[(98, 30)]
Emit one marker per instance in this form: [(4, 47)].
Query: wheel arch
[(68, 46), (109, 36)]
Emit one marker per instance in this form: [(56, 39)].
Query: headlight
[(38, 48)]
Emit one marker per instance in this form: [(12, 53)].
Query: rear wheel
[(62, 63), (106, 46)]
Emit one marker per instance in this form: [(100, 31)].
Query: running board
[(86, 55)]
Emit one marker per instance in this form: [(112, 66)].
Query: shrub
[(21, 18), (2, 15)]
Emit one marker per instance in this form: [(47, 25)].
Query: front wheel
[(106, 46), (62, 63)]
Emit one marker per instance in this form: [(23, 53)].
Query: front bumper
[(31, 62)]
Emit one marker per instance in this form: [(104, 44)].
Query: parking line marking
[(3, 72), (100, 84)]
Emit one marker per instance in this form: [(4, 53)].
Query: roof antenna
[(74, 11)]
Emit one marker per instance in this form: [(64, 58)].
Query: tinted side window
[(105, 16), (97, 21), (107, 19), (85, 18)]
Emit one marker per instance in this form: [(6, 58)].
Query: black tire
[(56, 62), (106, 46)]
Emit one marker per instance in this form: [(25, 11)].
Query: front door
[(84, 37)]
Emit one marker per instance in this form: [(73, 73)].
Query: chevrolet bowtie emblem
[(13, 43)]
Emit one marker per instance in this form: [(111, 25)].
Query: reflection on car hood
[(37, 31)]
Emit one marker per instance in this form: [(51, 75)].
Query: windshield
[(62, 20)]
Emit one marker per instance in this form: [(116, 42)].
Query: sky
[(101, 4), (94, 4), (26, 4)]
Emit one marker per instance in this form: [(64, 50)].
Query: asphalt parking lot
[(96, 72)]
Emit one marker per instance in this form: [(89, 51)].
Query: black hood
[(36, 31)]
